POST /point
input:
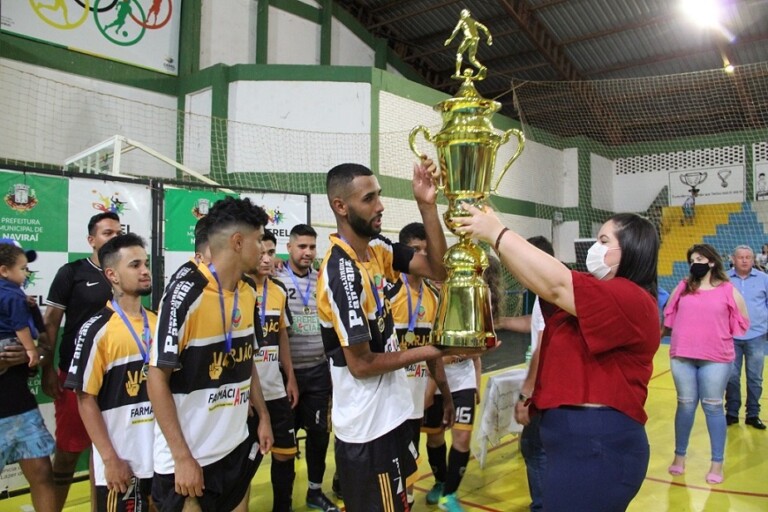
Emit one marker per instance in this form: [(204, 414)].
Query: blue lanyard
[(222, 307), (412, 314), (143, 347), (304, 299), (263, 308), (379, 307)]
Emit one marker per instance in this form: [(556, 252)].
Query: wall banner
[(183, 208), (714, 185), (50, 215), (142, 33)]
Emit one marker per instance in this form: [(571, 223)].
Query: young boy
[(18, 322), (24, 437)]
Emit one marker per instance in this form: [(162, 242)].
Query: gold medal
[(410, 337), (381, 324)]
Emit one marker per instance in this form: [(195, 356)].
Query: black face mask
[(699, 270)]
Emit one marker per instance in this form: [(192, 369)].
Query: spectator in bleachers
[(689, 208), (749, 348)]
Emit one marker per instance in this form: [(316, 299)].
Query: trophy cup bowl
[(466, 145)]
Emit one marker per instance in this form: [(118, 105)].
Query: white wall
[(602, 183), (197, 131), (278, 126), (228, 32), (49, 116), (347, 49), (292, 39), (537, 175)]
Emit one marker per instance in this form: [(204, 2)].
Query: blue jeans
[(752, 351), (535, 461), (698, 380), (596, 459)]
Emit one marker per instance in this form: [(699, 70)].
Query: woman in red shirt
[(602, 331)]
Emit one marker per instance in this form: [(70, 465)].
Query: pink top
[(704, 323)]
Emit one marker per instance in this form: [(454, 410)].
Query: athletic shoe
[(336, 488), (434, 494), (319, 501), (450, 503)]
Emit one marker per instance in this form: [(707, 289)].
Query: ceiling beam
[(545, 5), (541, 38), (656, 20), (671, 56), (389, 21)]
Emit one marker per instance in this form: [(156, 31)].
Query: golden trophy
[(466, 148)]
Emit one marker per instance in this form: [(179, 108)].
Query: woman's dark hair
[(716, 273), (493, 277), (639, 244)]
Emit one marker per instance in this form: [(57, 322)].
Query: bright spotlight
[(705, 13), (728, 68)]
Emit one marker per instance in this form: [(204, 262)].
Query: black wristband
[(498, 239)]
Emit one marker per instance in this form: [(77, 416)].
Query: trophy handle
[(520, 145), (412, 142), (412, 139)]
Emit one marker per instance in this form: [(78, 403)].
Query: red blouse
[(603, 356)]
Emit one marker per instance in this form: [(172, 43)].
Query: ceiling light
[(728, 68), (702, 12)]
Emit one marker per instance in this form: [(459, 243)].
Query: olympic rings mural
[(102, 27), (129, 19)]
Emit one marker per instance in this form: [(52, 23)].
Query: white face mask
[(596, 260)]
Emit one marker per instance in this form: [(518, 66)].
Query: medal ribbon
[(379, 306), (304, 299), (143, 348), (263, 305), (412, 314), (223, 309)]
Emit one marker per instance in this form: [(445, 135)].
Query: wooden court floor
[(502, 487)]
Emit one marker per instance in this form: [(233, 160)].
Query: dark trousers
[(535, 461), (596, 459)]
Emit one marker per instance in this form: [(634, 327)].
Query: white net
[(648, 143), (593, 148)]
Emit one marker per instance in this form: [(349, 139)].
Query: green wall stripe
[(262, 31), (68, 61), (326, 31), (299, 9), (189, 37), (354, 26), (301, 73)]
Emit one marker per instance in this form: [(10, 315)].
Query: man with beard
[(108, 373), (371, 398)]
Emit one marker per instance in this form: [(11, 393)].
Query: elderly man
[(753, 285)]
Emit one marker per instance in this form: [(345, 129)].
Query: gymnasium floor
[(502, 487)]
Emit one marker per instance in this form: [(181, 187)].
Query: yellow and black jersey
[(210, 385), (275, 317), (108, 364), (353, 309), (423, 319)]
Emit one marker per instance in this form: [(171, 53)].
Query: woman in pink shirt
[(704, 313)]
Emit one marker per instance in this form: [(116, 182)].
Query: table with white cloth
[(497, 411)]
